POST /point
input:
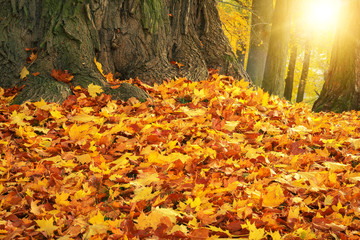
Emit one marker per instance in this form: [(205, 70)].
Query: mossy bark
[(341, 90), (131, 38)]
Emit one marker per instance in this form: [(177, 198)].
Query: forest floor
[(201, 160)]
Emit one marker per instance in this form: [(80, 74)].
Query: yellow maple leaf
[(274, 196), (294, 212), (96, 230), (230, 125), (84, 118), (305, 233), (147, 179), (144, 193), (94, 90), (217, 229), (181, 228), (198, 95), (61, 199), (335, 166), (55, 159), (265, 99), (40, 104), (85, 158), (194, 203), (79, 132), (156, 217), (47, 226), (253, 152), (193, 113), (255, 233), (275, 235), (56, 114), (155, 157), (18, 118), (81, 194), (97, 219), (24, 72)]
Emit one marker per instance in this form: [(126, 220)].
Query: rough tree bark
[(132, 38), (341, 90), (275, 67), (304, 73), (289, 80), (262, 11)]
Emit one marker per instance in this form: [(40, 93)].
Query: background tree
[(341, 90), (289, 80), (131, 38), (261, 18), (275, 67), (304, 73)]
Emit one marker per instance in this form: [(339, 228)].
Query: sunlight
[(321, 15)]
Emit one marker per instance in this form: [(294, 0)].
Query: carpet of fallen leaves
[(201, 160)]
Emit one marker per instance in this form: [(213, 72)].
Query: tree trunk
[(341, 90), (275, 66), (261, 18), (131, 38), (289, 81), (304, 73)]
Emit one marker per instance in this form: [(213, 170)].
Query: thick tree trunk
[(131, 38), (289, 80), (304, 73), (262, 11), (275, 67), (341, 90)]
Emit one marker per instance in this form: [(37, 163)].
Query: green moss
[(45, 88), (153, 15), (342, 104), (51, 8), (230, 58)]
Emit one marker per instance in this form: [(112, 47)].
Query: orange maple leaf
[(62, 76), (33, 56)]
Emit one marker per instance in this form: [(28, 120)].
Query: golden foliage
[(211, 159)]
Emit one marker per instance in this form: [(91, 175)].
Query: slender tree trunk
[(289, 81), (304, 73), (341, 90), (129, 37), (262, 11), (275, 66)]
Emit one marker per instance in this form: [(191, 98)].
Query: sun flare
[(321, 15)]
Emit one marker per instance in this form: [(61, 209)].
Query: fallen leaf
[(273, 196), (24, 72), (94, 90), (62, 76), (47, 226)]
